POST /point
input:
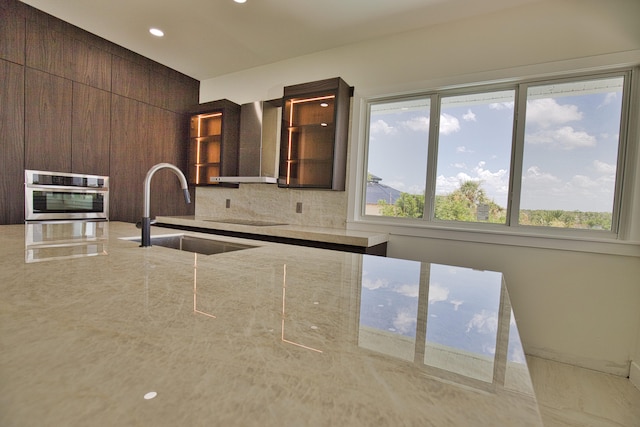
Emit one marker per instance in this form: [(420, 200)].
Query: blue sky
[(571, 140)]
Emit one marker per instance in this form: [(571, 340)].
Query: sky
[(570, 149), (462, 310)]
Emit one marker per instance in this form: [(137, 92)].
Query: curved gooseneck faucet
[(146, 221)]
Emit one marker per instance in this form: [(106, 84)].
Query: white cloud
[(418, 124), (463, 149), (456, 304), (405, 320), (485, 322), (409, 290), (448, 124), (374, 284), (543, 190), (547, 112), (534, 174), (565, 138), (459, 165), (447, 184), (380, 126), (470, 116), (494, 183), (609, 98), (437, 293), (584, 182), (603, 167)]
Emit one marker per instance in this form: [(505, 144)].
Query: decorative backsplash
[(271, 203)]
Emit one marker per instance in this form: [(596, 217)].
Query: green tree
[(462, 204), (459, 205), (407, 205)]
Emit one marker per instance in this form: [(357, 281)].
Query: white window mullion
[(432, 156), (515, 182)]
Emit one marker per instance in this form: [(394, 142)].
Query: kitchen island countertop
[(274, 335)]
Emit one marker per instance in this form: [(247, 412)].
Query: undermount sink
[(199, 245), (255, 223)]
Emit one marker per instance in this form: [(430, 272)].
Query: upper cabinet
[(315, 126), (214, 128)]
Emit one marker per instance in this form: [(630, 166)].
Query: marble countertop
[(289, 231), (275, 335)]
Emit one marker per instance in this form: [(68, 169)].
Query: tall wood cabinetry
[(315, 125), (214, 129), (73, 102)]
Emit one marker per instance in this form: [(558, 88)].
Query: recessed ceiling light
[(240, 1), (156, 32)]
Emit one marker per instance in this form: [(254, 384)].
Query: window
[(398, 142), (570, 159), (537, 155), (474, 153)]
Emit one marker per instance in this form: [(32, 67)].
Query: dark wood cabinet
[(173, 94), (48, 50), (90, 130), (315, 125), (130, 157), (130, 79), (142, 136), (90, 65), (11, 142), (214, 129), (12, 31), (47, 124)]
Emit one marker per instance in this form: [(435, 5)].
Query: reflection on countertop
[(49, 240), (277, 335)]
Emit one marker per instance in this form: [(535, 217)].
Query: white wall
[(573, 306)]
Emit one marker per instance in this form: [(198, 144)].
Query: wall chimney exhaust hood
[(259, 146)]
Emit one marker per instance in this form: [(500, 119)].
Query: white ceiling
[(209, 38)]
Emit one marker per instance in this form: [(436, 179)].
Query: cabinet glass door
[(205, 147), (310, 125)]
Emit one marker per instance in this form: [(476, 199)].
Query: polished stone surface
[(274, 335), (338, 236)]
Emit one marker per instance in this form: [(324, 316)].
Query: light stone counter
[(319, 234), (275, 335)]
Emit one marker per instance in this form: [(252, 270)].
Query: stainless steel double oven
[(63, 196), (66, 215)]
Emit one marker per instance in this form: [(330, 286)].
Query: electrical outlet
[(299, 207), (228, 203)]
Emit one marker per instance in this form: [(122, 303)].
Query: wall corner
[(634, 374)]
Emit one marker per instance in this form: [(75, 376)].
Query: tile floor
[(570, 396)]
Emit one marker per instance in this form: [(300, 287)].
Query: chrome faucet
[(146, 221)]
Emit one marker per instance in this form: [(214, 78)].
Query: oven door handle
[(69, 188)]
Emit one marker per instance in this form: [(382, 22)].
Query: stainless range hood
[(259, 144)]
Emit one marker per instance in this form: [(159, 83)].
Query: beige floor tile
[(571, 396)]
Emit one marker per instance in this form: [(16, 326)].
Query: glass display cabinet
[(315, 126), (213, 141)]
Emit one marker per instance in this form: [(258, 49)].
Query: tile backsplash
[(268, 202)]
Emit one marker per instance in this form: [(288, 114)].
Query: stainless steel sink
[(199, 245)]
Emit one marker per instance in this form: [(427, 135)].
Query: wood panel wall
[(73, 102)]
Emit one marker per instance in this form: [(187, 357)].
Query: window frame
[(512, 226)]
